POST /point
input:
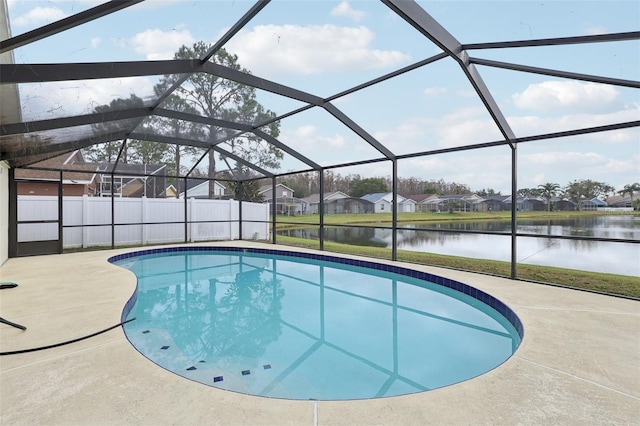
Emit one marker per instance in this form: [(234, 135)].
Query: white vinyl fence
[(91, 220)]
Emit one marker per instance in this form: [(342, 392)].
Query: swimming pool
[(308, 326)]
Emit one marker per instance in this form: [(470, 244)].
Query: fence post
[(191, 208), (230, 221), (143, 220), (85, 221)]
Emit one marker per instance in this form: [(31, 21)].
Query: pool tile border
[(473, 292)]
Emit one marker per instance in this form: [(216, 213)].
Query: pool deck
[(579, 362)]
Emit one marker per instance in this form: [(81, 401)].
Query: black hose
[(12, 324), (24, 351)]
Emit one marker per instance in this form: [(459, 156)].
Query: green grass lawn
[(606, 283)]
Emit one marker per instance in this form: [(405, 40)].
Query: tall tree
[(218, 98), (176, 128), (549, 190), (246, 190), (360, 187), (586, 189), (108, 152), (487, 192), (630, 189), (146, 152), (529, 192)]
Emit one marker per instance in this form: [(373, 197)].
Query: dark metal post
[(274, 205), (113, 201), (186, 211), (394, 210), (240, 194), (322, 304), (514, 210), (13, 213), (113, 212), (60, 216), (321, 210)]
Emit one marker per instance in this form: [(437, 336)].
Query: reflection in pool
[(264, 323)]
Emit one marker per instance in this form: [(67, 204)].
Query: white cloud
[(307, 137), (570, 159), (39, 16), (404, 135), (539, 179), (345, 9), (95, 42), (531, 125), (158, 45), (460, 127), (593, 156), (566, 95), (327, 146), (434, 92), (275, 50), (595, 30), (562, 167), (476, 169)]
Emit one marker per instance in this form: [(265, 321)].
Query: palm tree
[(548, 190), (630, 189)]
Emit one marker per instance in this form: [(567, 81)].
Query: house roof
[(621, 199), (420, 197), (315, 198), (466, 197), (499, 198), (386, 196), (596, 201), (375, 197), (73, 172), (312, 199), (195, 182), (137, 169), (265, 188)]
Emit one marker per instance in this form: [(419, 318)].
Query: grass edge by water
[(621, 285)]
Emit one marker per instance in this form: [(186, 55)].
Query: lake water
[(596, 256)]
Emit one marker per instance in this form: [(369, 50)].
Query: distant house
[(338, 203), (199, 188), (286, 203), (539, 204), (79, 178), (592, 204), (493, 203), (453, 203), (171, 191), (622, 200), (313, 200), (420, 200), (132, 180), (382, 202), (524, 204), (282, 191), (407, 205), (563, 205)]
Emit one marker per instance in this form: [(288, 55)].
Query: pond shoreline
[(599, 282), (284, 222)]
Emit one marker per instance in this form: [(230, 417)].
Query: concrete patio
[(579, 362)]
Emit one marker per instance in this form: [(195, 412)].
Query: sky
[(326, 47)]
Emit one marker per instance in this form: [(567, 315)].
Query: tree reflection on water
[(222, 316)]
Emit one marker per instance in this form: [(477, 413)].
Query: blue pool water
[(307, 326)]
